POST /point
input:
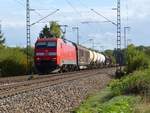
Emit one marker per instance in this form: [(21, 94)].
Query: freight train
[(59, 54)]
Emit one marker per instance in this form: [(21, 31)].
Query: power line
[(77, 29), (104, 17), (108, 20), (83, 4), (20, 3), (44, 9), (126, 29), (74, 8), (44, 17), (87, 22), (34, 10)]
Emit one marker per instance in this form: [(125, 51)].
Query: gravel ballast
[(60, 98)]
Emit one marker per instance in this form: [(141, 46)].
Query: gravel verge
[(60, 98)]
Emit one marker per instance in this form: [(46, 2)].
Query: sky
[(134, 13)]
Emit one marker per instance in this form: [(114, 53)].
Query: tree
[(53, 31), (135, 59), (45, 33)]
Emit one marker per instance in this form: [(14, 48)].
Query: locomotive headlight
[(52, 53), (39, 54)]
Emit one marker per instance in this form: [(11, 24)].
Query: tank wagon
[(59, 54)]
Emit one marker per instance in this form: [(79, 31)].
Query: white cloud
[(139, 9), (14, 24)]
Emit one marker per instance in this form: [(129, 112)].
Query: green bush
[(135, 83), (12, 62), (135, 59)]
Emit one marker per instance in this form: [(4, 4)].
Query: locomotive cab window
[(46, 45), (51, 44), (40, 44)]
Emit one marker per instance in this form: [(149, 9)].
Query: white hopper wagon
[(102, 58), (91, 58), (95, 57)]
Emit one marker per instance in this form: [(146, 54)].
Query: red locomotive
[(55, 53)]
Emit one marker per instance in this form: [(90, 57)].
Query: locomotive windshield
[(45, 45)]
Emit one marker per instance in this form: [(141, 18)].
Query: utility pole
[(92, 42), (28, 37), (125, 36), (65, 29), (77, 28)]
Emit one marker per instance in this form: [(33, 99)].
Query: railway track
[(25, 86), (13, 80)]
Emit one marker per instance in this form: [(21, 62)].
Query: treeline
[(13, 61), (136, 58)]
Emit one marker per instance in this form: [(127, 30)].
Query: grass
[(93, 102), (119, 104), (104, 102)]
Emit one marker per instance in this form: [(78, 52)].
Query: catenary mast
[(118, 26), (28, 36)]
